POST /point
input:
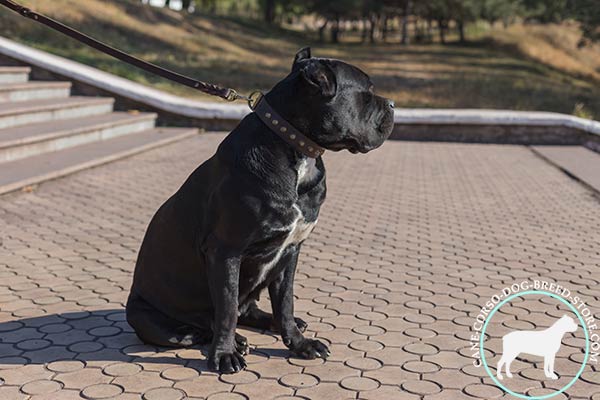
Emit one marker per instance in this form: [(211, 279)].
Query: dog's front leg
[(281, 291), (223, 267)]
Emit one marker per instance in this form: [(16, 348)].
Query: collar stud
[(286, 131)]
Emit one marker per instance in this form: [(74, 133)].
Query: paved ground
[(412, 242)]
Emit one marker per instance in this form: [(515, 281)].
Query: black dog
[(236, 225)]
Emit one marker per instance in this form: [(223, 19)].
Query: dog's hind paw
[(241, 344), (552, 376)]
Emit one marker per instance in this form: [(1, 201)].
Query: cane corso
[(236, 225)]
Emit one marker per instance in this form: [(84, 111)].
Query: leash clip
[(252, 99), (232, 95)]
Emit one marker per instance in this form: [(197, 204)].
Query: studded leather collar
[(285, 130)]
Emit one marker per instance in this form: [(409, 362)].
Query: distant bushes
[(404, 20)]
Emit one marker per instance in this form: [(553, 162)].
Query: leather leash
[(256, 100), (214, 90)]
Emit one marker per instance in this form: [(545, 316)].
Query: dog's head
[(334, 104), (567, 323)]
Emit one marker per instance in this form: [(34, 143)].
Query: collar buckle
[(254, 98)]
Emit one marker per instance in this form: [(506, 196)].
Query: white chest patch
[(299, 229)]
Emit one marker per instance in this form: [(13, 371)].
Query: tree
[(463, 12), (269, 10), (406, 12), (439, 11), (186, 4), (500, 10), (209, 6), (333, 11), (587, 12), (545, 11)]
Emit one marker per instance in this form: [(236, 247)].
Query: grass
[(522, 67)]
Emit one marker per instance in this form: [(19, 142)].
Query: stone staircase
[(46, 133)]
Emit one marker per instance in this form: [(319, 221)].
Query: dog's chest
[(297, 231)]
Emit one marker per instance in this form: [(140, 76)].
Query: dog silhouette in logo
[(538, 343)]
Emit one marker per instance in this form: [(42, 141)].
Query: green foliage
[(336, 8), (546, 11), (500, 10), (581, 111), (464, 10), (588, 13), (375, 14)]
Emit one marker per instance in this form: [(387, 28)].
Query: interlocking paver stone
[(164, 394), (122, 369), (41, 387), (411, 242), (359, 384), (101, 391), (299, 380), (364, 363)]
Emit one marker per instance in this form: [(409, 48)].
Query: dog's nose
[(391, 103)]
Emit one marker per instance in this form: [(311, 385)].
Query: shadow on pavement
[(99, 337)]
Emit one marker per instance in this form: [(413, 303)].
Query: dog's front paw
[(311, 349), (226, 362)]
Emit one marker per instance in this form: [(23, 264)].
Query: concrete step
[(36, 111), (577, 161), (14, 74), (34, 90), (33, 139), (26, 172)]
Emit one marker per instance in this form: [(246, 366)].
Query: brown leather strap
[(285, 130), (256, 101), (214, 90)]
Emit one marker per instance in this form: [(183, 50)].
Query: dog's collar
[(285, 130)]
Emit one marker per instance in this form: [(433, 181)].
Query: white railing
[(226, 111)]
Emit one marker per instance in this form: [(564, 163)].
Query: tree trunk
[(405, 16), (168, 3), (269, 11), (372, 29), (322, 31), (364, 30), (429, 30), (442, 29), (384, 28), (335, 30), (461, 30)]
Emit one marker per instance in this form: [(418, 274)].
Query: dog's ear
[(302, 54), (319, 75)]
